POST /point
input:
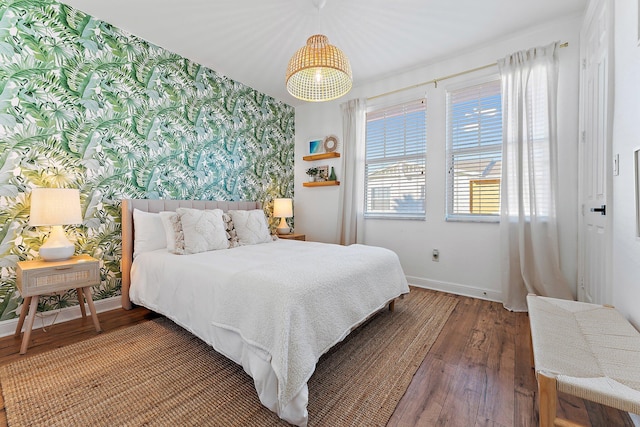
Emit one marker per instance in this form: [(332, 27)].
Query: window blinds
[(396, 143), (474, 151)]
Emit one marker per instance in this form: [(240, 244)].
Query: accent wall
[(86, 105)]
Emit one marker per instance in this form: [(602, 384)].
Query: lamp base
[(57, 247), (283, 227)]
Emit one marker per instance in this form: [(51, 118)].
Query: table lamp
[(283, 208), (55, 207)]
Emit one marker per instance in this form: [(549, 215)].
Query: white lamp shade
[(55, 206), (282, 208)]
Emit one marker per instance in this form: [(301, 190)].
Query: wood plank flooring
[(477, 373)]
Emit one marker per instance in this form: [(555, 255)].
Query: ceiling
[(251, 41)]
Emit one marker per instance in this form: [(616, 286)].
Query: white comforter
[(289, 301)]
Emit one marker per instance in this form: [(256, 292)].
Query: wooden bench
[(585, 350)]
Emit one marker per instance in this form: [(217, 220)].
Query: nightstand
[(293, 236), (38, 277)]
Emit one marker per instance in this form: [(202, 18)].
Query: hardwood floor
[(476, 374)]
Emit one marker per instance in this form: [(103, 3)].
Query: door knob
[(602, 209)]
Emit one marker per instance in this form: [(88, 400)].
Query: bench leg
[(548, 400), (531, 355)]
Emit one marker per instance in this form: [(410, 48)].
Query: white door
[(595, 154)]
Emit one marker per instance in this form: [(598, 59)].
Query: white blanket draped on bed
[(294, 300)]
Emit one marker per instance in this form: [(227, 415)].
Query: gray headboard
[(155, 205)]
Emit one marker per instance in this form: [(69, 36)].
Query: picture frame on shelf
[(315, 146), (323, 173)]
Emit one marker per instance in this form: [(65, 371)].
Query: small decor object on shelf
[(332, 175), (313, 173), (330, 144), (323, 173), (315, 146)]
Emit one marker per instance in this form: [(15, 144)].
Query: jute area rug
[(157, 374)]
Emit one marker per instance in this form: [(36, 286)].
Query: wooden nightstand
[(293, 236), (38, 277)]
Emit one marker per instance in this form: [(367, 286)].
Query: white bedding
[(274, 308)]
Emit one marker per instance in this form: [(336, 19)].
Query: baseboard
[(8, 327), (456, 288)]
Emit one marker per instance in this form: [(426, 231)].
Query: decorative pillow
[(176, 226), (232, 235), (251, 226), (148, 231), (169, 229), (203, 230)]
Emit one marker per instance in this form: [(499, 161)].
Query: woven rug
[(157, 374)]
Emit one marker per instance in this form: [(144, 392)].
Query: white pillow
[(251, 226), (203, 230), (149, 232), (169, 229)]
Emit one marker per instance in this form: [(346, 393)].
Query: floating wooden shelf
[(320, 183), (321, 156)]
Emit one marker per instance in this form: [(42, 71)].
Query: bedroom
[(458, 243)]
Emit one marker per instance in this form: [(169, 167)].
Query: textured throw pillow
[(251, 226), (169, 229), (176, 226), (203, 230), (232, 235), (148, 231)]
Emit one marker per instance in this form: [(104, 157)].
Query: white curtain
[(350, 208), (529, 238)]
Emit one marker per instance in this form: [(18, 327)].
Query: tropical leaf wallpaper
[(86, 105)]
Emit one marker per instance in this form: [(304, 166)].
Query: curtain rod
[(435, 81)]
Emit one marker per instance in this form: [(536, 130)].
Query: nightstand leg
[(81, 302), (23, 314), (92, 308), (27, 332)]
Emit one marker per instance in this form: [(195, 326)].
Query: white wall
[(626, 139), (469, 252)]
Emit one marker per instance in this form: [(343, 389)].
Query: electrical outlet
[(435, 255)]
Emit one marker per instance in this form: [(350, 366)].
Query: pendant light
[(318, 71)]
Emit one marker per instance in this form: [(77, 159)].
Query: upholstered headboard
[(148, 205)]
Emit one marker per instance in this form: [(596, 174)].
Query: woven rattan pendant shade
[(318, 71)]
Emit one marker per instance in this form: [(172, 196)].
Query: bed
[(274, 308)]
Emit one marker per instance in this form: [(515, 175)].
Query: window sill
[(481, 219), (395, 217)]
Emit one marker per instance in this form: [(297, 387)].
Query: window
[(474, 152), (396, 145)]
